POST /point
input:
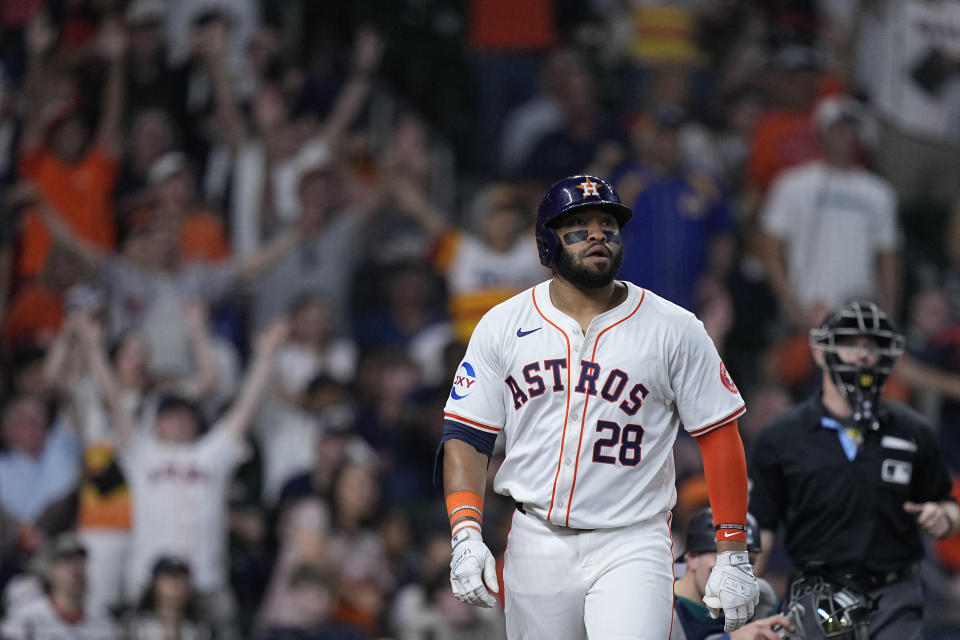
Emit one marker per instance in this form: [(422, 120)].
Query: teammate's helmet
[(569, 194), (860, 385), (702, 537), (820, 609)]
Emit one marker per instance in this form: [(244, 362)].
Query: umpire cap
[(570, 194), (702, 537)]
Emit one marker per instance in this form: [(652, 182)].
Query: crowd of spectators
[(243, 245)]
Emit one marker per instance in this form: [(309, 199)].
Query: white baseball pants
[(603, 584)]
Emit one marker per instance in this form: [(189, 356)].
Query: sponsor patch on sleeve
[(726, 379), (463, 381)]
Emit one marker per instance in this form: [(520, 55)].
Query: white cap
[(144, 12), (835, 109), (166, 166), (313, 156)]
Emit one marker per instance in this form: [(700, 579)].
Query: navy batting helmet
[(702, 537), (569, 194)]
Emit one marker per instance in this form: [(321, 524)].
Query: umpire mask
[(820, 609), (861, 384)]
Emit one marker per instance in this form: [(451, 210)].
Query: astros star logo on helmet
[(589, 188)]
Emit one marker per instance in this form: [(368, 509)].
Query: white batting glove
[(472, 569), (733, 588)]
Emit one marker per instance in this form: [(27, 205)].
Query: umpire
[(853, 478)]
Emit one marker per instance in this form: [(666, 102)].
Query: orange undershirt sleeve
[(725, 471)]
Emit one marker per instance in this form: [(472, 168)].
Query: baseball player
[(589, 379)]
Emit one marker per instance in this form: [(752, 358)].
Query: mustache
[(598, 249)]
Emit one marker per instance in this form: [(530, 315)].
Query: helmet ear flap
[(548, 245)]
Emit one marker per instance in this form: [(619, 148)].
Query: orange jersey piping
[(720, 422), (586, 402), (472, 423), (563, 435)]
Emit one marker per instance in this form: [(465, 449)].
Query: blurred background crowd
[(243, 244)]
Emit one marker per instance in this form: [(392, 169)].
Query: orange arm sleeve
[(725, 470)]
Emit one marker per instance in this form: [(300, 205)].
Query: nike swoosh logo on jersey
[(727, 534), (521, 332)]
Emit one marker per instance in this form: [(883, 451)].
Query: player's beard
[(584, 277)]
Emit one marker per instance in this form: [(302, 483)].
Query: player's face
[(591, 251), (701, 564)]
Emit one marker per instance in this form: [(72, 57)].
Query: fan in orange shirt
[(72, 167), (203, 237), (37, 310), (784, 136)]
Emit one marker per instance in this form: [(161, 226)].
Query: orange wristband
[(465, 509)]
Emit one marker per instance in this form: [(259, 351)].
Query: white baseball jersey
[(179, 495), (590, 419), (40, 619), (834, 224)]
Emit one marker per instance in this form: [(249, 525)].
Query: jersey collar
[(541, 294)]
